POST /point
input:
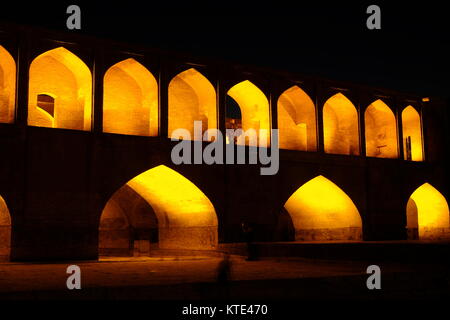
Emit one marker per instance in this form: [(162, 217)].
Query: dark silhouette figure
[(247, 229), (223, 276)]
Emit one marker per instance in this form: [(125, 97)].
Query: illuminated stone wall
[(320, 210), (340, 126), (130, 101), (62, 75), (296, 121), (5, 231), (411, 125), (7, 86)]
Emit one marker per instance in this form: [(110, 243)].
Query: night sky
[(409, 54)]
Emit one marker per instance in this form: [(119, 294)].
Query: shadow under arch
[(381, 131), (192, 97), (65, 77), (171, 209), (321, 211), (427, 214), (340, 126), (130, 100), (296, 120), (5, 231), (7, 86)]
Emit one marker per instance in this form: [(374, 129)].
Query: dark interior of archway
[(136, 224), (233, 114), (285, 230)]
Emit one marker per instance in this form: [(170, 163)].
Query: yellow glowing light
[(340, 126), (186, 217), (381, 131), (428, 210), (191, 98), (7, 86), (62, 75), (296, 121), (412, 134), (254, 109), (130, 100), (5, 230), (320, 210)]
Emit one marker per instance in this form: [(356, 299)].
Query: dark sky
[(410, 53)]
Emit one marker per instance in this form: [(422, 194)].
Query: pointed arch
[(381, 131), (130, 100), (62, 75), (5, 231), (427, 214), (7, 86), (340, 126), (254, 110), (320, 210), (296, 120), (191, 98), (185, 217), (412, 134)]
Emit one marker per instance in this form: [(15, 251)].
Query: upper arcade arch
[(7, 86)]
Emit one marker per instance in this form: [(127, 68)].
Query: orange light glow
[(320, 210), (5, 231), (427, 210), (412, 134), (60, 74), (7, 86), (254, 110), (130, 100), (191, 98), (381, 131), (340, 126), (186, 217), (297, 121)]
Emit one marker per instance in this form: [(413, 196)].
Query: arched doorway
[(65, 78), (412, 134), (158, 206), (340, 126), (7, 86), (5, 231), (321, 211), (130, 100), (381, 131), (191, 98), (427, 214), (297, 120)]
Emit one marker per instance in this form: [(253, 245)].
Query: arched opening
[(255, 113), (412, 135), (381, 131), (158, 206), (320, 210), (60, 74), (5, 231), (130, 100), (191, 98), (427, 214), (7, 86), (297, 120), (340, 126)]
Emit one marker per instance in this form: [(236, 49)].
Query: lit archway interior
[(254, 111), (60, 74), (182, 214), (191, 98), (340, 126), (381, 131), (296, 121), (320, 210), (5, 231), (412, 135), (130, 100), (7, 86), (427, 214)]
